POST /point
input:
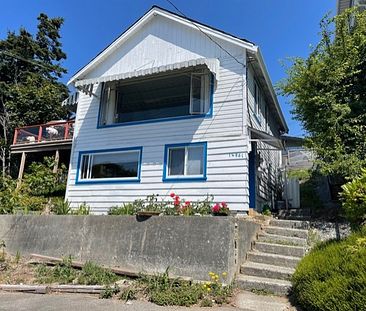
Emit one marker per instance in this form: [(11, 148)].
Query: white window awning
[(213, 64), (260, 136)]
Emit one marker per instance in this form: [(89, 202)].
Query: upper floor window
[(160, 97)]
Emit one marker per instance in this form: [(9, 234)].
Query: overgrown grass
[(90, 274), (333, 276)]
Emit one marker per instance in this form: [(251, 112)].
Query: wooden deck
[(43, 137)]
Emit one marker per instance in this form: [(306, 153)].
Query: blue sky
[(282, 28)]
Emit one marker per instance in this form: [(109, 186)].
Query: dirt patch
[(17, 270)]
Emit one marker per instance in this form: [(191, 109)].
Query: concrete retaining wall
[(189, 246)]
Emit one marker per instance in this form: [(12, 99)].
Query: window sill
[(207, 115), (184, 179), (110, 181)]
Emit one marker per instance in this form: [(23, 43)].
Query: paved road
[(76, 302)]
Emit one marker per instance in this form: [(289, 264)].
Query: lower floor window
[(122, 164), (185, 161)]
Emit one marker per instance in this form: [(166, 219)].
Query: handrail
[(48, 124), (61, 130)]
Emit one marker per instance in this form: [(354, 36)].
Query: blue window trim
[(185, 179), (207, 115), (106, 181)]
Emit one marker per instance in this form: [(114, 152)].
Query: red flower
[(187, 203), (216, 208), (224, 204), (172, 195)]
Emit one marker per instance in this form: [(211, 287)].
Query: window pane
[(154, 98), (196, 94), (195, 161), (84, 166), (114, 165), (176, 161)]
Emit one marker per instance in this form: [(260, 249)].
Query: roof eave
[(257, 53)]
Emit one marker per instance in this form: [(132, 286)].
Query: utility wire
[(33, 62), (208, 36)]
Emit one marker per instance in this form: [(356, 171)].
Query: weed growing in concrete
[(109, 292), (129, 293)]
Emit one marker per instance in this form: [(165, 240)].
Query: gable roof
[(208, 30), (156, 10)]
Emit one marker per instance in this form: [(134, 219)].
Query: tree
[(30, 92), (328, 94)]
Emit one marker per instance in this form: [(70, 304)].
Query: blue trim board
[(209, 114), (110, 181), (185, 179)]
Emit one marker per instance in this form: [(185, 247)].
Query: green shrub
[(354, 200), (333, 276), (42, 181), (124, 209), (82, 210), (60, 206)]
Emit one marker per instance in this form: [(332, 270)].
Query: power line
[(33, 62), (208, 36)]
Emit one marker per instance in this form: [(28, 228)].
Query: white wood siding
[(164, 42), (271, 160)]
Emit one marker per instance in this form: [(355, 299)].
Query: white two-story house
[(173, 105)]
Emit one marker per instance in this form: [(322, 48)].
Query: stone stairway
[(279, 247)]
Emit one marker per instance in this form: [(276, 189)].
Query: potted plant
[(151, 207), (220, 209)]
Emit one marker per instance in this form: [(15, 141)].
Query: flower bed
[(174, 206)]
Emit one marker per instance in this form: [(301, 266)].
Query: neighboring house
[(173, 105), (346, 4)]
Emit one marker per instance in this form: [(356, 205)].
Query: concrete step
[(292, 224), (298, 233), (273, 259), (281, 239), (266, 271), (277, 287), (286, 250)]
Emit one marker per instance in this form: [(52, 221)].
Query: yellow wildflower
[(224, 274)]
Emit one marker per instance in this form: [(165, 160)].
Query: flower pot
[(220, 214), (148, 213)]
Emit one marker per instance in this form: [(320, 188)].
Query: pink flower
[(172, 195), (187, 203), (216, 208), (224, 204)]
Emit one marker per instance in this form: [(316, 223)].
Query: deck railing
[(52, 131)]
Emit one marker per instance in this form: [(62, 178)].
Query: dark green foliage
[(30, 66), (41, 181), (38, 189), (328, 93), (333, 276), (354, 200)]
